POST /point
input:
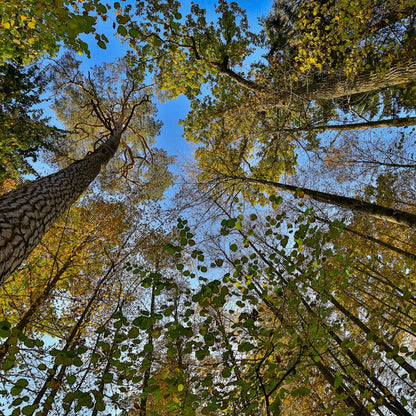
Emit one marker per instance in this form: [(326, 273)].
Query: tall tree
[(27, 213)]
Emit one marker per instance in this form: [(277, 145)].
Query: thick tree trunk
[(333, 87), (356, 205), (148, 356), (330, 88), (27, 213)]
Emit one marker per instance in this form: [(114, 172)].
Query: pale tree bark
[(338, 87), (330, 88), (27, 213)]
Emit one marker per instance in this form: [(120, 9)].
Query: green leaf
[(22, 383), (107, 378), (301, 391), (71, 380), (134, 33), (122, 30), (5, 329), (133, 333), (233, 247), (102, 44), (338, 381), (100, 405), (148, 348), (29, 410), (7, 365), (101, 8)]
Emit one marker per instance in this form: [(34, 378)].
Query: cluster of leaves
[(24, 131), (326, 37), (275, 333), (31, 29)]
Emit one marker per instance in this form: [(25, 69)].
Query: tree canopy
[(271, 274)]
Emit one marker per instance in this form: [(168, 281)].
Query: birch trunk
[(27, 213), (329, 88)]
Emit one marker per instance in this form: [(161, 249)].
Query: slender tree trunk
[(356, 205), (100, 389), (351, 399), (397, 250), (149, 356), (27, 213), (374, 337), (34, 307), (330, 88), (72, 340), (391, 122)]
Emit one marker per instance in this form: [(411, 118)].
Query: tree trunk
[(333, 88), (356, 205), (34, 307), (390, 122), (397, 250), (330, 88), (27, 213), (72, 340), (149, 355)]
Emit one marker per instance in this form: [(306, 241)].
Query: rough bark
[(338, 87), (391, 122), (330, 88), (356, 205), (27, 213)]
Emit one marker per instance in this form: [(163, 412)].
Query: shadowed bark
[(392, 215)]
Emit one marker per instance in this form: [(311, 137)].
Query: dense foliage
[(24, 131), (287, 284)]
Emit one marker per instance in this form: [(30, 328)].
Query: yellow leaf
[(180, 387), (32, 23)]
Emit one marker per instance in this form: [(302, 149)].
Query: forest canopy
[(272, 272)]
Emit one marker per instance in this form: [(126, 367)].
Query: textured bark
[(330, 88), (27, 213), (373, 210), (333, 87), (373, 336)]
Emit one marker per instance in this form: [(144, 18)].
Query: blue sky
[(171, 112)]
